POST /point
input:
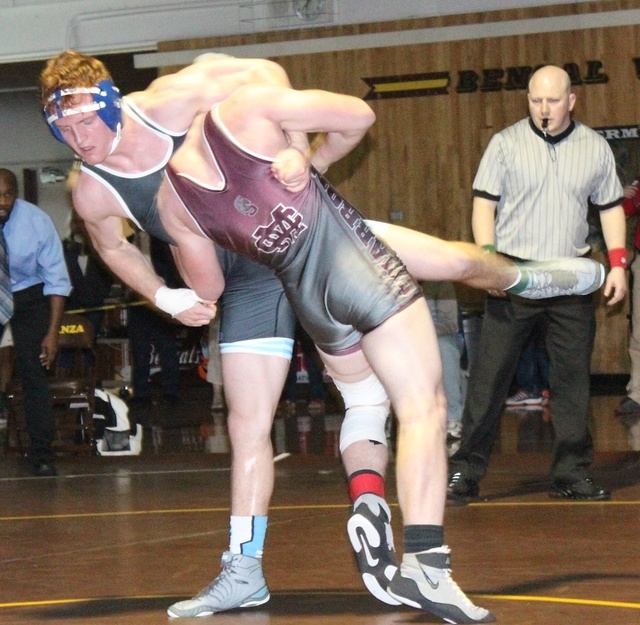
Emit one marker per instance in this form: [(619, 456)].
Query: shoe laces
[(225, 577), (458, 592), (444, 573)]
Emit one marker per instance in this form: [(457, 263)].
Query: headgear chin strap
[(107, 102)]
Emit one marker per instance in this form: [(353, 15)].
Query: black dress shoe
[(461, 487), (582, 490), (44, 469)]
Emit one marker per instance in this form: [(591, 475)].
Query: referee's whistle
[(545, 123)]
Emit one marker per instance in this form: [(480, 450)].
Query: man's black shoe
[(461, 487), (582, 490), (44, 469)]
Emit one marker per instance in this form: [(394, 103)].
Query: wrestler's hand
[(200, 314), (496, 293), (291, 168), (185, 306)]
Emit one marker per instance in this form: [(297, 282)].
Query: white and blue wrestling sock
[(247, 535)]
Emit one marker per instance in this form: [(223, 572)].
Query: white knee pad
[(366, 411), (364, 423)]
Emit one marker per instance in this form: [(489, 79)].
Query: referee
[(530, 203)]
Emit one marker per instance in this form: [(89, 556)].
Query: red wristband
[(618, 257)]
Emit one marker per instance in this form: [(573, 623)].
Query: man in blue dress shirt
[(40, 284)]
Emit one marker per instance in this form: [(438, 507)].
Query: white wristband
[(175, 301)]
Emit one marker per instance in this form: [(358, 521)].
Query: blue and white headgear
[(107, 102)]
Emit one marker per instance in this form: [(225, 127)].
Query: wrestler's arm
[(195, 255), (174, 100), (344, 120), (260, 114), (105, 229)]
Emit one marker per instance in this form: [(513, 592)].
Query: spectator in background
[(443, 305), (532, 373), (149, 330), (40, 284), (90, 280), (315, 369)]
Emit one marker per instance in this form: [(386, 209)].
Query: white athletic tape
[(175, 301)]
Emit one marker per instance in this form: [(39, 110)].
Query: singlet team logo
[(281, 233), (245, 206)]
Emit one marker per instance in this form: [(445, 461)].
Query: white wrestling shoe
[(369, 529), (240, 584), (424, 582), (568, 276)]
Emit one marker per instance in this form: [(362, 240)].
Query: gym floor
[(116, 540)]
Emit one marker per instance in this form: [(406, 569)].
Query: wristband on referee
[(489, 247), (618, 257)]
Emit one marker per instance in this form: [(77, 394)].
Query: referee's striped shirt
[(542, 186)]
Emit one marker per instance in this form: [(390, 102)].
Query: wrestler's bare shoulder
[(92, 200)]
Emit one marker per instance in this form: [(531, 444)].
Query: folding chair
[(72, 388)]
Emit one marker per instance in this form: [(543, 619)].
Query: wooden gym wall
[(416, 165)]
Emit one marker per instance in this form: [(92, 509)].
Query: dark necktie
[(6, 297)]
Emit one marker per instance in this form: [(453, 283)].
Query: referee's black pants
[(570, 330), (29, 325)]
